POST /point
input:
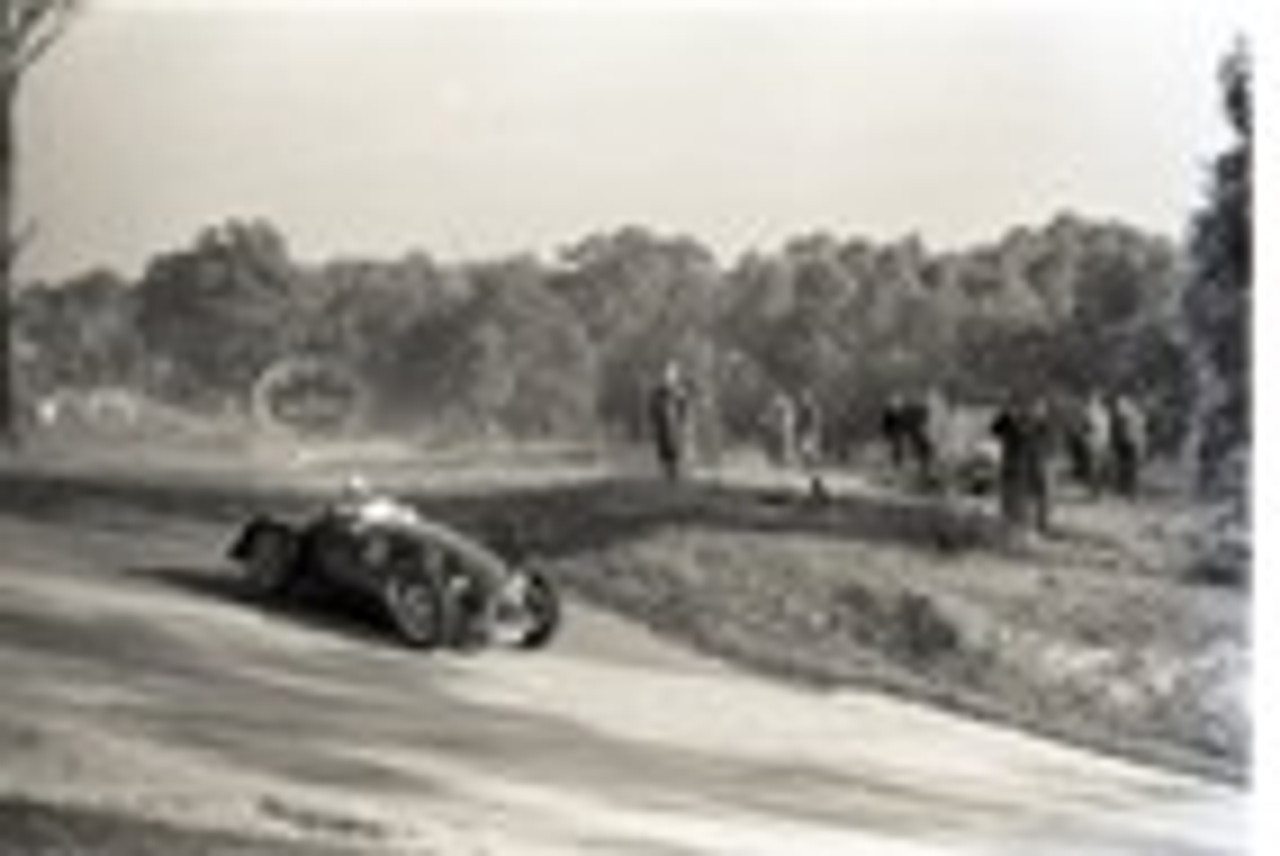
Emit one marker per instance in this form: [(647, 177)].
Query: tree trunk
[(8, 252)]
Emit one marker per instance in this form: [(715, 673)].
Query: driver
[(367, 506), (484, 586)]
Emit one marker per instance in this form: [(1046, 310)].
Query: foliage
[(523, 347), (28, 29), (516, 359), (643, 299), (80, 335), (213, 316), (1216, 302)]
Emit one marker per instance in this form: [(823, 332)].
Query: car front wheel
[(528, 614), (413, 601)]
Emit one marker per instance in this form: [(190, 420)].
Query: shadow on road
[(44, 829), (311, 605), (555, 520)]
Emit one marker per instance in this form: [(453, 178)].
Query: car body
[(439, 587)]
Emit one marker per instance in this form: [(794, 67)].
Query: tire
[(540, 612), (267, 552), (465, 625), (415, 605)]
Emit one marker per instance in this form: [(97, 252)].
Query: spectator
[(918, 439), (1010, 432), (892, 431), (780, 430), (907, 425), (808, 430), (1086, 432), (1127, 430), (668, 421), (1024, 435), (1039, 445)]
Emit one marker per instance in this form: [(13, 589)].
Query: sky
[(487, 128)]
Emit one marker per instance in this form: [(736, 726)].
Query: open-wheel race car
[(440, 588)]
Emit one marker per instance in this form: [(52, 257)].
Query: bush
[(1220, 554), (904, 625)]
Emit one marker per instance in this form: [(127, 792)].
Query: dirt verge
[(1072, 637)]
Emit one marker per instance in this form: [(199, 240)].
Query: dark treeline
[(1217, 302), (531, 348)]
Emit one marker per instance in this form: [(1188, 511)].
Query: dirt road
[(134, 680)]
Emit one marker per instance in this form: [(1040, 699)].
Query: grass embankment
[(1103, 634)]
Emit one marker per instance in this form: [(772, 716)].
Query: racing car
[(439, 587)]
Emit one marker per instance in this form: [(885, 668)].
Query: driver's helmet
[(371, 506), (671, 374), (356, 490)]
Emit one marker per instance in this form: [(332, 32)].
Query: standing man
[(1127, 431), (669, 408), (1024, 435), (808, 430), (918, 438), (1009, 428), (891, 429), (780, 430), (1077, 445), (809, 443), (1097, 438), (1039, 447)]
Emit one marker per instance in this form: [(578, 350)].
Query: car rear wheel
[(413, 601), (267, 556)]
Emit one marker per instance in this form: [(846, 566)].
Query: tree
[(213, 316), (80, 334), (644, 300), (1216, 300), (521, 361), (28, 28), (364, 312)]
